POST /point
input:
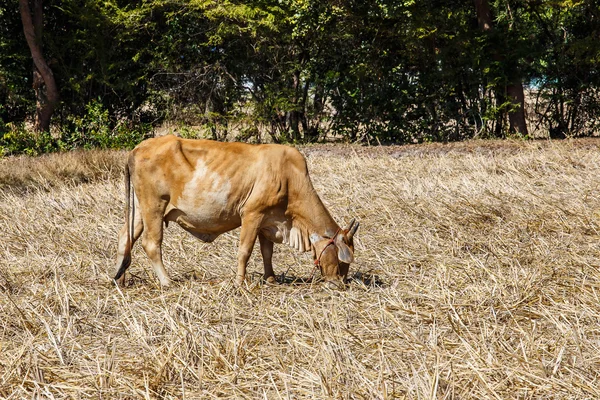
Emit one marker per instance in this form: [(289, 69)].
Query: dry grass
[(481, 263), (45, 172)]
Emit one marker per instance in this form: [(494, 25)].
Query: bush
[(16, 139), (97, 130), (94, 130)]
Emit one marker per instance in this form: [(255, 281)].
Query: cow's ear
[(344, 253)]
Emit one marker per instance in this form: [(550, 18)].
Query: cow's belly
[(206, 205), (205, 222)]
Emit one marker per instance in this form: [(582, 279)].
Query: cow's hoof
[(120, 282), (239, 282), (271, 280), (166, 284)]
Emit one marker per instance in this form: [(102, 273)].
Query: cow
[(210, 187)]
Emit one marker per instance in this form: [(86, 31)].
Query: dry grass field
[(477, 276)]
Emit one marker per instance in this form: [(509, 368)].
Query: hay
[(476, 276)]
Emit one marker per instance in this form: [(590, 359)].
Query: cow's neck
[(310, 215)]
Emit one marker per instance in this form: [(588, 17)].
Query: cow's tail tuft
[(128, 200)]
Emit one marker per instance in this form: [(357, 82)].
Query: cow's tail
[(130, 223)]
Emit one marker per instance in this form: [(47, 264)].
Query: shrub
[(94, 130), (16, 139)]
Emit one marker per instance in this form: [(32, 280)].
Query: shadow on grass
[(366, 279)]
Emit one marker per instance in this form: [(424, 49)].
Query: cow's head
[(334, 255)]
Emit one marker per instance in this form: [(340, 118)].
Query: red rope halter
[(318, 259)]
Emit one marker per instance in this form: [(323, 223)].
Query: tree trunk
[(514, 87), (313, 131), (500, 99), (484, 15), (44, 85), (516, 116), (295, 114)]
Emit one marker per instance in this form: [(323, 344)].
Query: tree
[(44, 83), (510, 86), (301, 70), (15, 97)]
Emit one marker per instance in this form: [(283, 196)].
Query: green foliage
[(18, 140), (93, 130), (16, 96), (187, 132), (96, 129), (305, 70)]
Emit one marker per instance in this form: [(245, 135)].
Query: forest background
[(107, 74)]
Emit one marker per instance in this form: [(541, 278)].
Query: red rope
[(318, 259)]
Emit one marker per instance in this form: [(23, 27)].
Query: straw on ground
[(476, 276)]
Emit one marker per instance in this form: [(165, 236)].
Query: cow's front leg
[(248, 234), (266, 249)]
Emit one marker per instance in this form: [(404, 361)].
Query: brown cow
[(210, 188)]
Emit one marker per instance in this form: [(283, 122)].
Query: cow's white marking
[(205, 195), (314, 238), (298, 238)]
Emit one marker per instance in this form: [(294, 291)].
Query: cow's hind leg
[(266, 249), (152, 215), (124, 250)]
